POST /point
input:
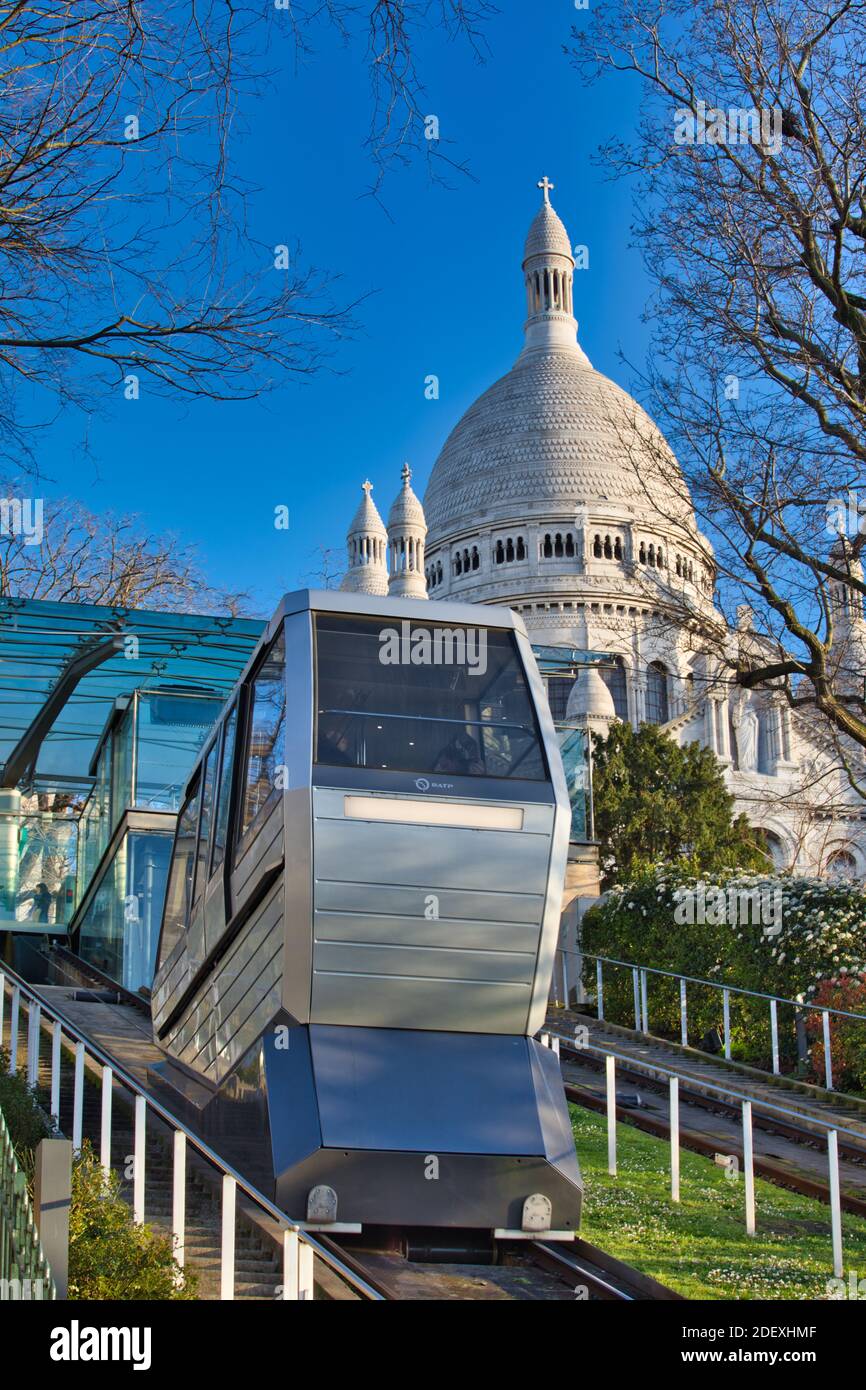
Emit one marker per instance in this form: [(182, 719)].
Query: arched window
[(652, 554), (547, 548), (476, 559), (778, 852), (657, 693), (557, 545), (617, 549), (521, 549), (499, 553), (642, 553), (614, 678), (439, 572), (608, 548), (660, 559), (509, 549), (596, 547), (458, 564), (569, 545), (841, 865)]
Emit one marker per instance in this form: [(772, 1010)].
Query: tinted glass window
[(178, 898), (422, 698), (207, 802), (267, 738), (222, 817)]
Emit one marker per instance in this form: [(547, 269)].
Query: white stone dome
[(551, 435), (589, 697)]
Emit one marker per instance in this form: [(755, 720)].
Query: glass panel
[(37, 857), (206, 816), (120, 930), (121, 769), (572, 746), (433, 700), (179, 896), (266, 746), (222, 819), (172, 728)]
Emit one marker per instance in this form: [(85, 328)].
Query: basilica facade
[(557, 495)]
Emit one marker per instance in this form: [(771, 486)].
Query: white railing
[(730, 1095), (298, 1247), (569, 973)]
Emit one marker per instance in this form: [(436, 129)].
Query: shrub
[(847, 1038), (819, 935), (109, 1255), (22, 1110)]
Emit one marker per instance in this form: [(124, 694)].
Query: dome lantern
[(548, 273)]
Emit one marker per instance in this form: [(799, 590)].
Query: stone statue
[(746, 727)]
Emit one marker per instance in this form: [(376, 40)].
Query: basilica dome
[(553, 434)]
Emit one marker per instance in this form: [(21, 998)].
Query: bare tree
[(750, 163), (72, 555), (126, 257)]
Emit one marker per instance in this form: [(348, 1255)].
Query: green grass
[(700, 1247)]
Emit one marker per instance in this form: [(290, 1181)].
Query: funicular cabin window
[(225, 789), (267, 731), (178, 898), (424, 699), (206, 821)]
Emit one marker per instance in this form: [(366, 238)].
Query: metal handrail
[(729, 1092), (714, 984), (286, 1223)]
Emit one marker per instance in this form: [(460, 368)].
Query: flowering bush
[(847, 1038), (774, 935)]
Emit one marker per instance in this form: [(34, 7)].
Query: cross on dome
[(367, 486), (406, 474), (545, 185)]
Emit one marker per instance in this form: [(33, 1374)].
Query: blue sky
[(442, 272)]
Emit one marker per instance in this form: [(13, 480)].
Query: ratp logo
[(422, 783)]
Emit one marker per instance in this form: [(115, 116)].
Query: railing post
[(34, 1020), (684, 1022), (774, 1033), (599, 984), (610, 1069), (749, 1167), (675, 1137), (13, 1029), (828, 1054), (138, 1160), (636, 989), (78, 1098), (56, 1038), (2, 1004), (52, 1197), (835, 1203), (291, 1270), (105, 1131), (644, 1009), (227, 1248), (306, 1289), (726, 1011), (178, 1197), (564, 981)]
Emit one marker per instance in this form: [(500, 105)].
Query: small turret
[(407, 530), (366, 544)]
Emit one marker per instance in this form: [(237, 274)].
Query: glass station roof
[(38, 639)]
